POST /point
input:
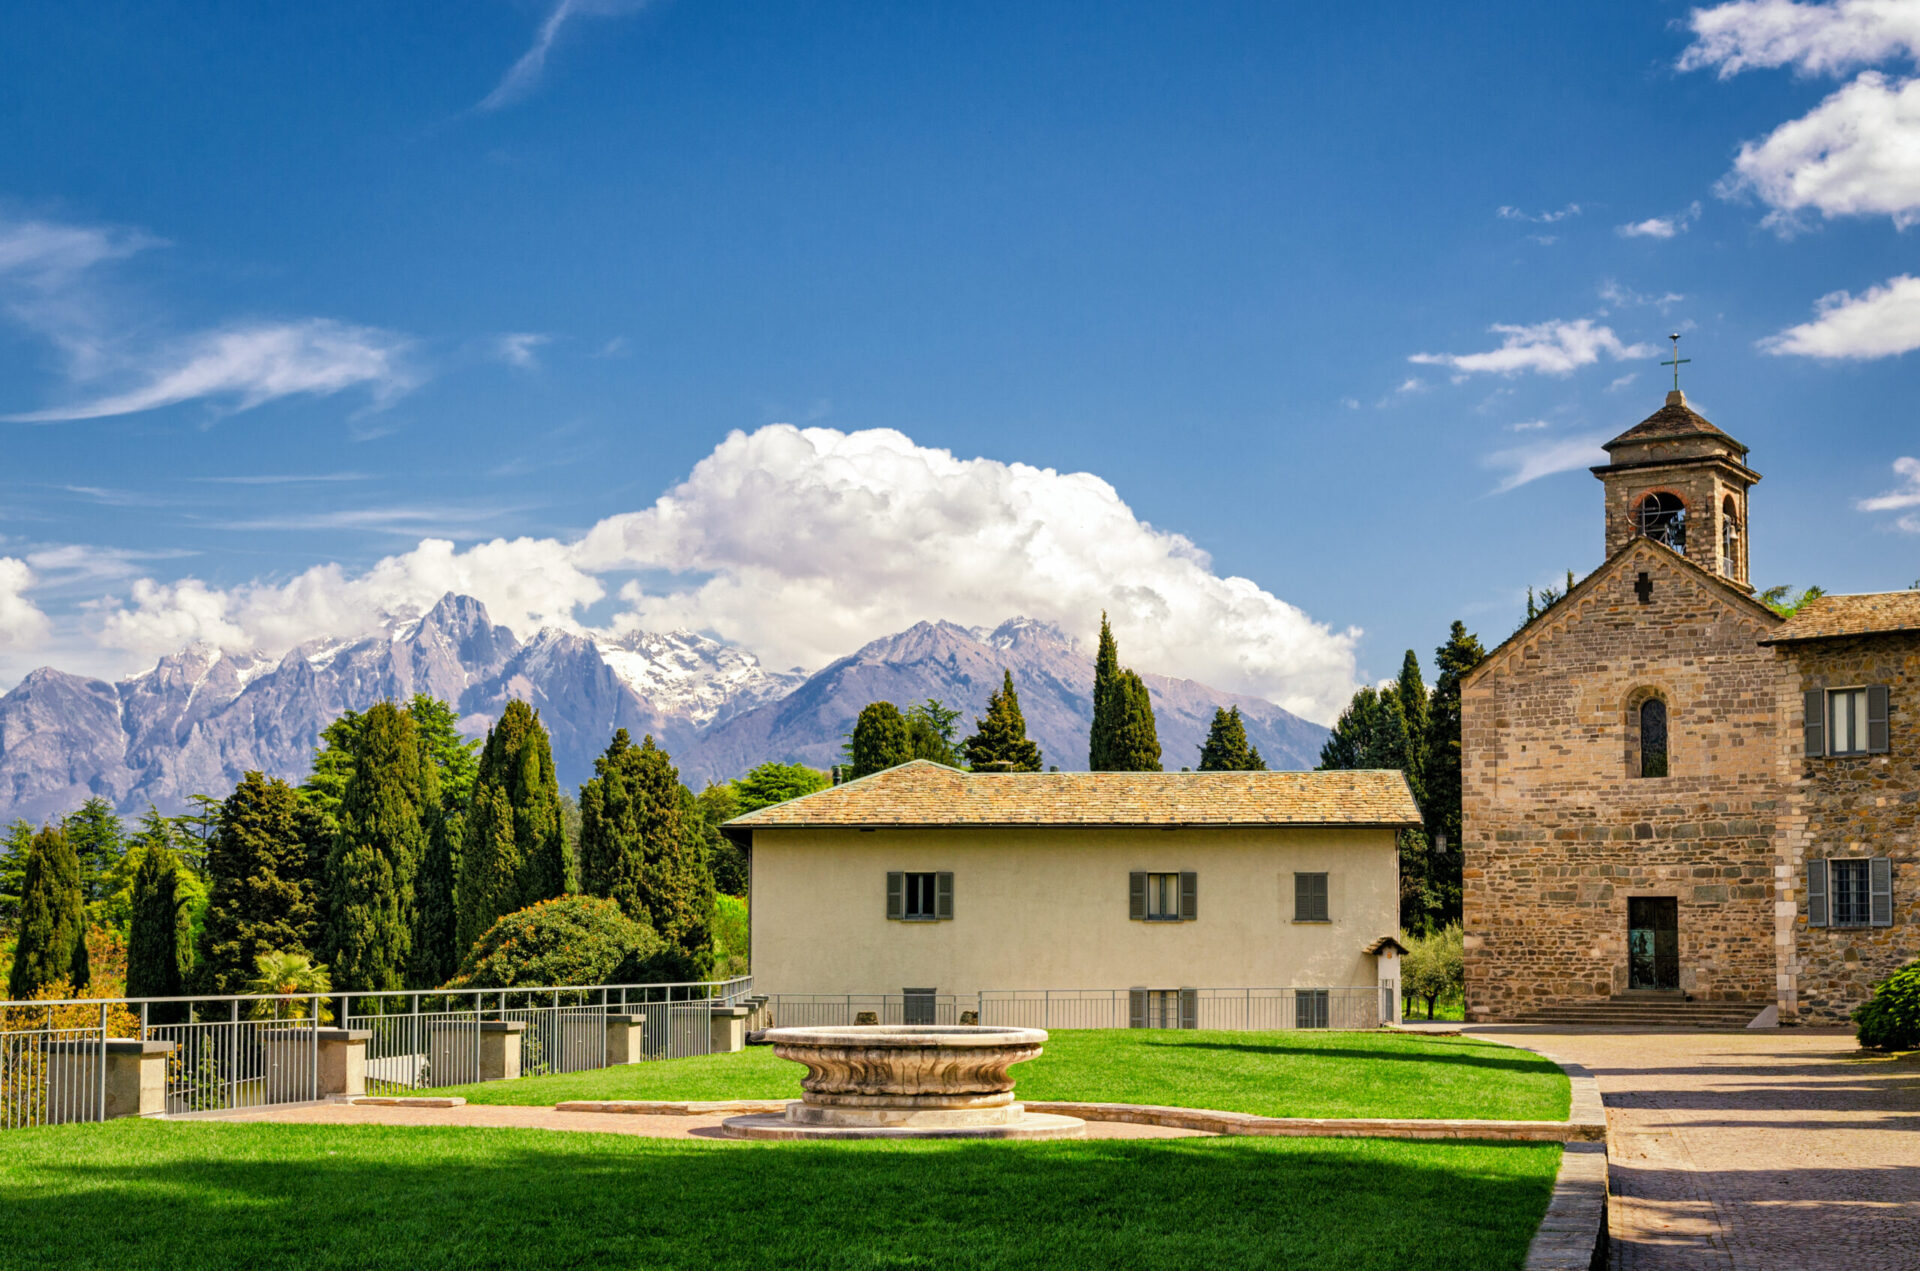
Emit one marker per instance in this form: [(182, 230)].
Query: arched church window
[(1653, 738), (1663, 518), (1729, 538)]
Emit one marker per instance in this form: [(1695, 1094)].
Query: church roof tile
[(1675, 419), (1835, 617)]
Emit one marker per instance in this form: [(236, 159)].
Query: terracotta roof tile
[(922, 793), (1831, 617)]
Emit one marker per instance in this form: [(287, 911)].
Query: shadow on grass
[(210, 1195), (1502, 1057)]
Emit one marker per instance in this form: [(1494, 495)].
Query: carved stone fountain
[(906, 1081)]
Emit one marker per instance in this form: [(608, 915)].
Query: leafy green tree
[(568, 940), (260, 895), (715, 806), (930, 729), (51, 943), (1783, 602), (377, 853), (880, 740), (13, 869), (194, 832), (1136, 742), (99, 841), (515, 851), (770, 783), (640, 849), (999, 742), (160, 933), (1227, 749), (1435, 965), (1106, 707)]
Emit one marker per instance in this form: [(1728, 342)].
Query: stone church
[(1678, 806)]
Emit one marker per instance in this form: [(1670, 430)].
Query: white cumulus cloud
[(1812, 38), (1880, 322), (1549, 348), (1661, 226), (1904, 498), (22, 625), (1544, 458), (1855, 154), (801, 545)]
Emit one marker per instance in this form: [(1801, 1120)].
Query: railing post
[(102, 1084)]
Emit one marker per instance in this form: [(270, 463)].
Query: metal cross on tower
[(1677, 361)]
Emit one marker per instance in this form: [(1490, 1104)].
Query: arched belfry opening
[(1676, 479)]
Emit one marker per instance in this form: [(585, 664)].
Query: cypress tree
[(1226, 749), (52, 940), (1352, 739), (880, 740), (1106, 709), (13, 868), (641, 846), (1136, 742), (1458, 656), (160, 933), (1410, 690), (514, 853), (260, 898), (377, 853), (1000, 743)]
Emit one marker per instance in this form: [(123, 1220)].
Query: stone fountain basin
[(906, 1080)]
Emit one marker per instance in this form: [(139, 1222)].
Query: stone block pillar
[(624, 1035), (136, 1079), (343, 1062), (500, 1049), (727, 1029)]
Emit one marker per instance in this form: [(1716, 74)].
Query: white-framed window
[(1847, 721), (1163, 898)]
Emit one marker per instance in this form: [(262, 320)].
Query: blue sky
[(1331, 302)]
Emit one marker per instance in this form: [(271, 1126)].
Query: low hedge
[(1890, 1019)]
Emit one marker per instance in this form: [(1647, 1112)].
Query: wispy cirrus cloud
[(1557, 347), (1880, 322), (54, 281), (1537, 218), (1544, 458), (524, 75), (1903, 498), (520, 349)]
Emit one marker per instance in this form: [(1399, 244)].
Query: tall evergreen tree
[(999, 743), (260, 897), (160, 933), (1370, 733), (13, 869), (1136, 741), (1456, 658), (377, 853), (1227, 749), (641, 847), (1411, 692), (51, 943), (515, 852), (880, 740), (99, 841), (930, 732), (1106, 707)]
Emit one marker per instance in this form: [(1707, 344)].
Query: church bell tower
[(1675, 478)]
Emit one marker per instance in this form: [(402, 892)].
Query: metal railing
[(245, 1051)]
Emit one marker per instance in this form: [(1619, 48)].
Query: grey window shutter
[(896, 893), (1137, 896), (1189, 896), (1189, 1008), (1816, 728), (1302, 906), (943, 895), (1136, 1008), (1877, 703), (1880, 891), (1817, 893)]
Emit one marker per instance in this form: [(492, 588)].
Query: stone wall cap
[(627, 1019), (113, 1045), (731, 1012), (344, 1034), (503, 1026)]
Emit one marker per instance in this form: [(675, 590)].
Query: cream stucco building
[(929, 879)]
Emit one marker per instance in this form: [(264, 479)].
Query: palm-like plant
[(294, 979)]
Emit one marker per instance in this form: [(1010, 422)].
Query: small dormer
[(1676, 479)]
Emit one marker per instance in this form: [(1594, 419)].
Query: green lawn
[(1376, 1074), (133, 1194)]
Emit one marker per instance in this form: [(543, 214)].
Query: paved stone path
[(1771, 1150)]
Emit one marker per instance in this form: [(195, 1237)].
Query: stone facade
[(1561, 830), (1845, 807)]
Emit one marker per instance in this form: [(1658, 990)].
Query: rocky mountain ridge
[(203, 716)]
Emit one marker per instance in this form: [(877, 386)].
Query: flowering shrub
[(568, 940)]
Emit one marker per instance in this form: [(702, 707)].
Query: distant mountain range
[(203, 716)]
